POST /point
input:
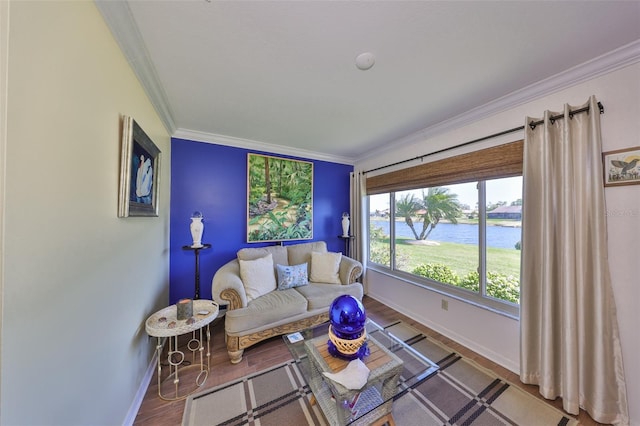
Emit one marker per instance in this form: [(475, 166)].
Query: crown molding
[(622, 57), (198, 136), (120, 21)]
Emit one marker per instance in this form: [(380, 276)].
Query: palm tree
[(407, 206), (438, 204)]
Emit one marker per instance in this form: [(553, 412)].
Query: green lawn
[(461, 258)]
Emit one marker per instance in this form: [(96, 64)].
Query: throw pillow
[(257, 276), (325, 267), (292, 276)]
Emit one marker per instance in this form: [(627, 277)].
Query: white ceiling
[(283, 73)]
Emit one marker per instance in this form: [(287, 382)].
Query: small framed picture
[(139, 172), (621, 167)]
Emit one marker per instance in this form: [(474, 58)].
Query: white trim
[(609, 62), (194, 135), (142, 390), (125, 31)]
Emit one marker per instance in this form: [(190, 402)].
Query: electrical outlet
[(445, 305)]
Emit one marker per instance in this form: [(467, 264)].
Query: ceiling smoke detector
[(364, 61)]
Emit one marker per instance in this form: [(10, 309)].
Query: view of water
[(497, 236)]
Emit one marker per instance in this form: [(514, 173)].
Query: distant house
[(380, 213), (506, 212)]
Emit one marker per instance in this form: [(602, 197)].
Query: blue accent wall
[(213, 180)]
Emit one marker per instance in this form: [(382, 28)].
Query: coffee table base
[(385, 419), (342, 406), (373, 403)]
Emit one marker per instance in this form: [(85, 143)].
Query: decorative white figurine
[(197, 228), (345, 224)]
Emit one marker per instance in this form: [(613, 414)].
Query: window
[(460, 237)]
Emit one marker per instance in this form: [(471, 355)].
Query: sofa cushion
[(267, 309), (279, 254), (292, 276), (257, 276), (301, 253), (320, 296), (325, 267)]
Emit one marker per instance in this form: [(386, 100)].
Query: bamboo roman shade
[(496, 162)]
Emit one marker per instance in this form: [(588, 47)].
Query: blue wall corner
[(212, 179)]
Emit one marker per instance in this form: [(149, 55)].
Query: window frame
[(479, 299), (497, 162)]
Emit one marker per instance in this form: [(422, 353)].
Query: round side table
[(164, 323)]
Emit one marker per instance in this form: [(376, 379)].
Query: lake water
[(497, 236)]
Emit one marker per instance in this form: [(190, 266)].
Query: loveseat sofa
[(279, 290)]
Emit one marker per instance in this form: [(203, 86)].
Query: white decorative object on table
[(197, 228), (345, 224), (354, 376)]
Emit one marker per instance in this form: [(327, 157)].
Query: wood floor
[(157, 412)]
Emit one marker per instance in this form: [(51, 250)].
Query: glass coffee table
[(394, 367)]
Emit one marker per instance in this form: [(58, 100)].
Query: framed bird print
[(622, 167)]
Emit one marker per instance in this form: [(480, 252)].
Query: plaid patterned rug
[(459, 393)]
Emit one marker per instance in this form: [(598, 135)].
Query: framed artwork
[(280, 199), (139, 172), (621, 167)]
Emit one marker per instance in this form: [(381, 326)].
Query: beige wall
[(78, 282), (496, 336)]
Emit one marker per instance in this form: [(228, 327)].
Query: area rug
[(461, 392)]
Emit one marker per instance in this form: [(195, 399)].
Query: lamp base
[(348, 349), (362, 352)]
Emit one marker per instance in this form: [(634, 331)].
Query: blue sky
[(508, 189)]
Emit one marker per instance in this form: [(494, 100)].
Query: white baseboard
[(142, 391)]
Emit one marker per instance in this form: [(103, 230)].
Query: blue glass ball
[(347, 317)]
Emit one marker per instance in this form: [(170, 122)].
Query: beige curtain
[(570, 343), (358, 218)]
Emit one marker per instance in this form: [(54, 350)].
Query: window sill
[(501, 308)]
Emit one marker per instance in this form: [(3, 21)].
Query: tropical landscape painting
[(280, 199)]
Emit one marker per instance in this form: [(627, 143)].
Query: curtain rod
[(532, 124)]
